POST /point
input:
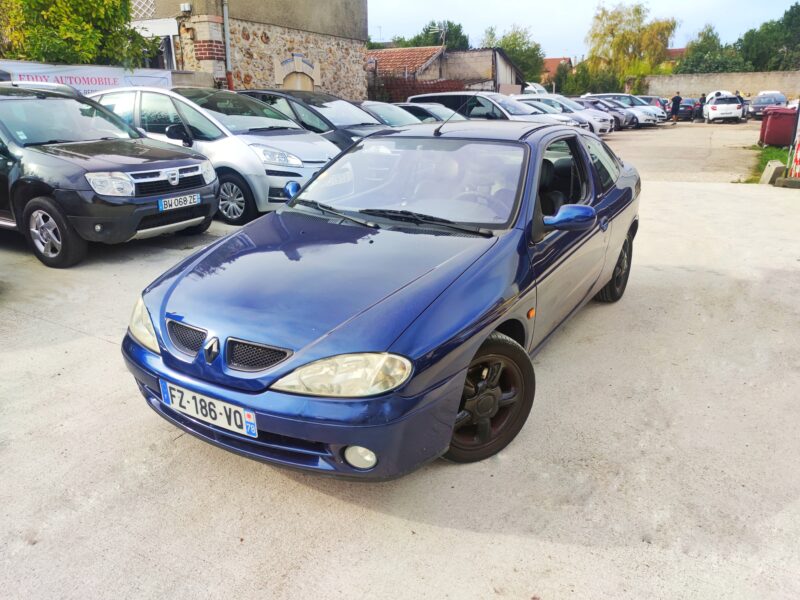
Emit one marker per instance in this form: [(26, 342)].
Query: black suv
[(337, 120), (73, 172)]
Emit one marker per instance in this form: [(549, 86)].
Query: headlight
[(273, 156), (111, 184), (348, 376), (207, 169), (141, 327)]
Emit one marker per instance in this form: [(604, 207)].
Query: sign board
[(84, 78)]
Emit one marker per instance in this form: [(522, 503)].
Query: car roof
[(461, 93), (477, 129), (299, 94), (14, 89)]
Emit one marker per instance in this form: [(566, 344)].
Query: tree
[(432, 33), (775, 45), (707, 54), (622, 41), (523, 51), (75, 31)]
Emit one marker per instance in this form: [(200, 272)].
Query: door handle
[(603, 224)]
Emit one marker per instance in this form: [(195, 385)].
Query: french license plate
[(178, 202), (209, 410)]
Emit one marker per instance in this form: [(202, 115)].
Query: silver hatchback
[(255, 149)]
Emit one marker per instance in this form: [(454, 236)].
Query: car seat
[(549, 199)]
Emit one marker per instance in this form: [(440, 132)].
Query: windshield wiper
[(324, 208), (50, 142), (270, 128), (423, 219)]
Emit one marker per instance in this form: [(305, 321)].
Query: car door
[(8, 166), (205, 134), (566, 264), (156, 113)]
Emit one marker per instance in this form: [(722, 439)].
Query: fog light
[(360, 457), (98, 228)]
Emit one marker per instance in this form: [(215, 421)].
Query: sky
[(560, 26)]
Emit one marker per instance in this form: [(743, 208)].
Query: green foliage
[(775, 45), (585, 80), (431, 35), (622, 41), (74, 31), (520, 47), (707, 54)]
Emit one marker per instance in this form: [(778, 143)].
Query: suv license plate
[(178, 202), (209, 410)]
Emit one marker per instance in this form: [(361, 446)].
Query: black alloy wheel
[(498, 395), (615, 288)]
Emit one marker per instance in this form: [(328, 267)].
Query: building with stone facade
[(292, 44)]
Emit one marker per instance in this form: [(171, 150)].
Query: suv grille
[(187, 339), (246, 356), (162, 186), (172, 216)]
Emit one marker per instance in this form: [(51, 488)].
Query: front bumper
[(120, 219), (268, 186), (311, 433)]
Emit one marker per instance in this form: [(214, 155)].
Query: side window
[(201, 128), (481, 108), (454, 102), (309, 120), (604, 163), (278, 103), (120, 103), (420, 113), (562, 177), (157, 112), (624, 99)]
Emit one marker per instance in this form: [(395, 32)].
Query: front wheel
[(236, 203), (53, 239), (497, 398), (615, 288)]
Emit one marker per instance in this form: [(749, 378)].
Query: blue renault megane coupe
[(387, 315)]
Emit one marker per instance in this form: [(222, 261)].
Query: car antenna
[(438, 131)]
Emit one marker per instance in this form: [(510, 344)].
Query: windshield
[(511, 106), (611, 103), (545, 108), (638, 101), (67, 120), (469, 182), (339, 112), (728, 100), (444, 113), (391, 114), (769, 99), (239, 113), (571, 104)]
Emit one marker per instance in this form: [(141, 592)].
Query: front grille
[(277, 193), (186, 338), (246, 356), (162, 186), (275, 173), (173, 216)]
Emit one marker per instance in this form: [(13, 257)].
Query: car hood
[(312, 286), (119, 155), (365, 130), (305, 145)]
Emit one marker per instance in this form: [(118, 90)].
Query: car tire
[(199, 228), (635, 123), (498, 395), (50, 235), (236, 203), (615, 288)]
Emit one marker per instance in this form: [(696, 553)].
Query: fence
[(398, 89)]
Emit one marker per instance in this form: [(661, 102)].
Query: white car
[(722, 108), (541, 108), (631, 101), (255, 149), (599, 122), (486, 105)]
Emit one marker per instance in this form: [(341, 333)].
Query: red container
[(777, 128)]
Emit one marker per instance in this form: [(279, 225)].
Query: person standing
[(740, 100), (698, 111), (676, 106)]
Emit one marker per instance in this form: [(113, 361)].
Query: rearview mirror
[(291, 189), (177, 132), (572, 217)]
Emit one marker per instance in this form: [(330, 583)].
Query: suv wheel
[(236, 203), (54, 241)]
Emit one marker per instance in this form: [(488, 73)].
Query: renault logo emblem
[(173, 176), (211, 350)]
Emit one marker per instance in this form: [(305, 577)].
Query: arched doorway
[(298, 81), (296, 73)]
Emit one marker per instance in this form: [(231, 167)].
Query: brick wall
[(209, 50), (398, 89)]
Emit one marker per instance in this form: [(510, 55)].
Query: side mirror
[(177, 132), (572, 217), (291, 189)]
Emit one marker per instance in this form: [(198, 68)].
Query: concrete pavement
[(659, 461)]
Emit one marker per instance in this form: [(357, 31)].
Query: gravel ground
[(659, 461)]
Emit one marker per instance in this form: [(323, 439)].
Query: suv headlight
[(111, 184), (141, 327), (208, 172), (273, 156), (348, 376)]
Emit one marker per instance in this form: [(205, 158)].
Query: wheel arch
[(514, 329), (23, 192), (633, 229)]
